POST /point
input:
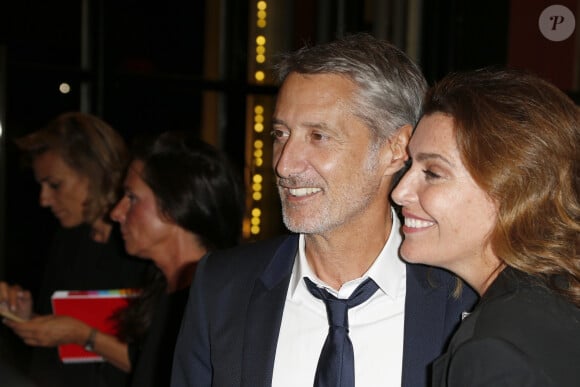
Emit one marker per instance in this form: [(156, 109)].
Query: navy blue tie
[(336, 363)]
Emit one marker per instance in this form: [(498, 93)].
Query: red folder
[(94, 307)]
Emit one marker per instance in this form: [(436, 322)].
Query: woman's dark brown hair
[(196, 187)]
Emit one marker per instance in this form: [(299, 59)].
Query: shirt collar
[(387, 271)]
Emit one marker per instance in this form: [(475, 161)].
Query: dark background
[(146, 75)]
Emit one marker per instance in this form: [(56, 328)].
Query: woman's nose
[(44, 197), (403, 193), (118, 212)]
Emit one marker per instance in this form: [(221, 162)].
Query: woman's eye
[(430, 174), (54, 186), (131, 197)]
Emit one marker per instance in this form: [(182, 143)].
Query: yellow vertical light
[(257, 141)]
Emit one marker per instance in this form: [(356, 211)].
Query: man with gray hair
[(332, 303)]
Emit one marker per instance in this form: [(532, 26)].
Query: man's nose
[(290, 158)]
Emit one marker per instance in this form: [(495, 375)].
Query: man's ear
[(398, 145)]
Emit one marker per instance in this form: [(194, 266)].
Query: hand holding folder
[(93, 307)]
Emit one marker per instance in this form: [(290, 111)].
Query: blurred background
[(205, 65)]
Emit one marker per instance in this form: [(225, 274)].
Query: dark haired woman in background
[(182, 199), (79, 162)]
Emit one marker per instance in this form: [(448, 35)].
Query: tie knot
[(337, 312), (337, 308)]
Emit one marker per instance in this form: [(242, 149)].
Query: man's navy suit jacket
[(230, 329)]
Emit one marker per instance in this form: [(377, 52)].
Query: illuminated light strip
[(258, 120), (261, 23), (257, 178)]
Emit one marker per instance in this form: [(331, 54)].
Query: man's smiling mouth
[(299, 192)]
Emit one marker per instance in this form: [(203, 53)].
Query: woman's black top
[(77, 262), (153, 359)]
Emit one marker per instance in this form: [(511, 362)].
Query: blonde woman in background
[(79, 162)]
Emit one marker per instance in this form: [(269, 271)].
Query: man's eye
[(278, 134), (54, 186), (317, 136)]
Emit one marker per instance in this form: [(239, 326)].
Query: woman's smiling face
[(448, 217)]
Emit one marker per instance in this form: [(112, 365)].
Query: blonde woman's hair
[(90, 147)]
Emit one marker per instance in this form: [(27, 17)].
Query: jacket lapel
[(264, 316)]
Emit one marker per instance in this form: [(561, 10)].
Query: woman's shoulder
[(523, 312), (68, 234), (526, 322)]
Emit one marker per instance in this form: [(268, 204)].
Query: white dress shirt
[(376, 326)]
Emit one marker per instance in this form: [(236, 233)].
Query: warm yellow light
[(261, 14), (255, 230), (255, 221), (261, 5), (260, 76), (258, 162), (64, 88), (256, 212), (260, 50), (258, 144), (259, 118), (257, 187), (259, 109), (260, 40), (258, 153), (261, 23), (257, 196), (257, 178), (258, 127), (260, 58)]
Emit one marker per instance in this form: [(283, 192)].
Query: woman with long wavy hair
[(493, 195)]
